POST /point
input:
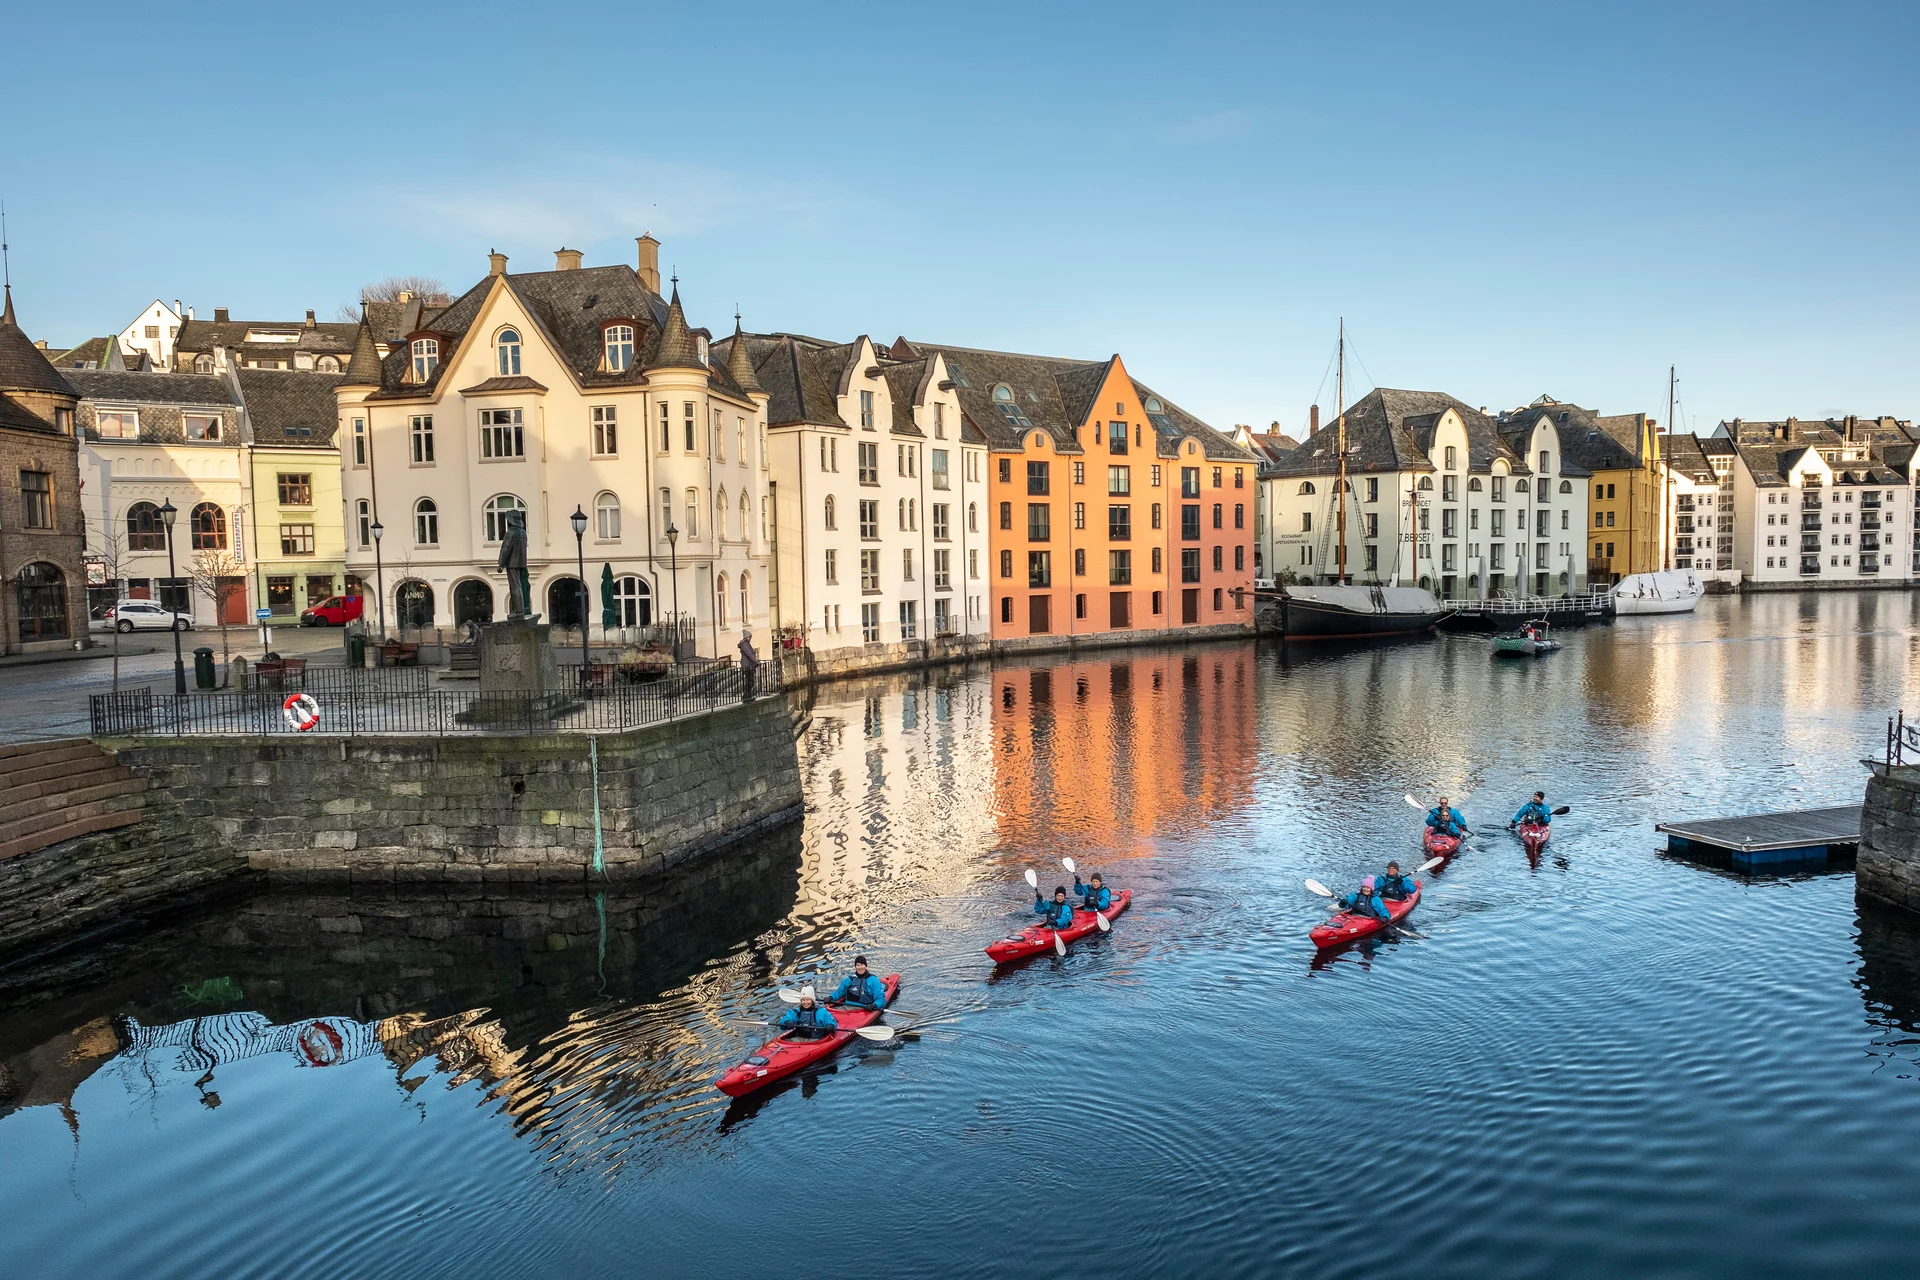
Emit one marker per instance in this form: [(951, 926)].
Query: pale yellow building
[(296, 516)]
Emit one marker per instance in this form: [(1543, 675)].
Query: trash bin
[(203, 668), (356, 650)]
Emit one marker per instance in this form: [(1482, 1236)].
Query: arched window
[(1306, 486), (566, 601), (1473, 484), (203, 364), (209, 528), (746, 598), (1426, 483), (144, 530), (973, 517), (746, 517), (507, 345), (413, 604), (830, 513), (632, 602), (619, 347), (472, 602), (327, 364), (606, 518), (40, 595), (1153, 405), (426, 523), (493, 514), (1566, 486), (720, 600), (763, 519), (1003, 393), (693, 515), (719, 515), (426, 358)]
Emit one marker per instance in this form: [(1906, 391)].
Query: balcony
[(1870, 501), (1809, 565), (1809, 542), (1869, 521), (1810, 502), (1870, 564), (1870, 542), (1810, 522)]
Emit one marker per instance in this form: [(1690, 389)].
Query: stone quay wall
[(480, 809), (1888, 866)]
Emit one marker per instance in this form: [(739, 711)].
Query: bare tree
[(221, 578), (112, 556), (426, 288)]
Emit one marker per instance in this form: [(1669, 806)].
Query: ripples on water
[(1614, 1062)]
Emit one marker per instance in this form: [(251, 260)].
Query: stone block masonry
[(1888, 867)]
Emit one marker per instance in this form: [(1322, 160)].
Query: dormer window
[(426, 358), (507, 347), (203, 364), (1009, 409), (700, 348), (619, 347)]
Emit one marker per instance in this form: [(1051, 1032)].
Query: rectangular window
[(1372, 559), (693, 440), (422, 436), (1216, 559), (279, 594), (606, 436), (296, 539), (869, 463), (1499, 488), (1216, 515), (940, 521), (1154, 478), (1006, 471), (1190, 522), (1116, 437), (1079, 515), (1038, 479), (359, 442), (1239, 477), (1156, 515), (833, 567), (1239, 558), (1079, 473), (1449, 486), (1006, 564), (942, 570), (666, 427), (501, 435), (938, 459), (1119, 482), (666, 511), (869, 519), (939, 420), (973, 563), (1216, 477), (909, 619), (1189, 482), (1119, 523), (870, 623), (692, 529), (1609, 519), (1239, 515), (202, 426), (1079, 562), (363, 517), (296, 490), (1448, 551), (1449, 523), (117, 424), (1006, 515), (740, 439), (869, 570), (717, 429), (906, 564), (36, 499), (1119, 568), (1190, 565), (866, 410), (1039, 568), (1156, 560), (1370, 524), (1373, 488), (1039, 522)]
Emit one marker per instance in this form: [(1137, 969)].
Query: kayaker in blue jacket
[(1057, 914), (1393, 886), (1444, 820), (1535, 810), (1366, 901), (811, 1021), (1094, 895), (860, 988)]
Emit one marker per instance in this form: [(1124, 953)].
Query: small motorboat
[(1531, 640)]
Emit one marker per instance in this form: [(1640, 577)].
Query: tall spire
[(363, 367), (739, 362), (676, 349)]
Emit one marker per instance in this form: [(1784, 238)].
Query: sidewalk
[(76, 655)]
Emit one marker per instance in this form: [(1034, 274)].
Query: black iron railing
[(353, 711), (1903, 739)]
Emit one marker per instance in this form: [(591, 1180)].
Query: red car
[(335, 611)]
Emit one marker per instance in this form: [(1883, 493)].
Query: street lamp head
[(167, 512), (376, 530), (579, 521), (673, 534)]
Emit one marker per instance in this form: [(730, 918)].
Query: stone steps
[(54, 791)]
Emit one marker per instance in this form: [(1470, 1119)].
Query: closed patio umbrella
[(609, 615)]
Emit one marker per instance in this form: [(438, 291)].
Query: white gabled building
[(1439, 497), (879, 489), (154, 331), (546, 392)]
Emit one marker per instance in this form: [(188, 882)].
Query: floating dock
[(1769, 839)]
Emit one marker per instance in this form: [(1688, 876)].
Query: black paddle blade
[(1562, 809)]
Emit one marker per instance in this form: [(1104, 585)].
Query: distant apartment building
[(878, 487), (1620, 454), (1440, 495), (313, 345)]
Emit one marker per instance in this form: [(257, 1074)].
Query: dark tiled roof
[(393, 321), (323, 337), (1584, 446), (1033, 381), (903, 384), (1079, 385), (800, 376), (363, 370), (153, 388), (1684, 455), (740, 361), (1381, 437), (285, 407), (90, 352), (676, 349), (23, 366), (1173, 422), (517, 382)]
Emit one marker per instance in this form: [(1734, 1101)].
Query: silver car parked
[(146, 615)]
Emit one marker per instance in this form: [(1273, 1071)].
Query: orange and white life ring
[(301, 711), (320, 1044)]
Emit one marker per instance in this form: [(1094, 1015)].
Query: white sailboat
[(1664, 591)]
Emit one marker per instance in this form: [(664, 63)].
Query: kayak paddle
[(1033, 880), (1314, 886), (1565, 808), (1068, 864)]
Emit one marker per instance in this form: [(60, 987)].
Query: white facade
[(882, 517), (439, 469), (1823, 526), (1459, 533), (153, 331)]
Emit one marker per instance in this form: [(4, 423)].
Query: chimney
[(496, 263), (649, 268), (220, 315), (309, 317), (40, 344), (566, 259), (177, 308), (1313, 421), (406, 296)]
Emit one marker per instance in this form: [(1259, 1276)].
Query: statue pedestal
[(518, 674)]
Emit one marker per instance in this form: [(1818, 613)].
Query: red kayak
[(1439, 846), (780, 1057), (1534, 836), (1347, 927), (1040, 938)]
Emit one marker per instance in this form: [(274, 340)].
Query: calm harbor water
[(1614, 1062)]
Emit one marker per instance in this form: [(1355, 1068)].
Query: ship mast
[(1666, 493), (1340, 444)]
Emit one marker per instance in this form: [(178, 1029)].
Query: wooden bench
[(395, 654), (280, 673)]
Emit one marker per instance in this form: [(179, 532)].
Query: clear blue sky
[(1502, 200)]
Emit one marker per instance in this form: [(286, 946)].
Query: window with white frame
[(359, 442), (426, 358), (363, 521), (606, 437), (117, 424), (426, 523), (606, 518), (619, 347), (507, 348), (421, 431), (692, 529), (494, 515), (832, 567), (501, 434)]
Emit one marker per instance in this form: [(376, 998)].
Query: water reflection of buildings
[(1890, 982), (1110, 754)]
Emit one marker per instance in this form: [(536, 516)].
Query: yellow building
[(296, 515), (1623, 504)]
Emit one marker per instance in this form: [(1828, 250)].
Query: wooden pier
[(1769, 839)]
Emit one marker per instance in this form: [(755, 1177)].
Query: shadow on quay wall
[(524, 989), (1889, 982)]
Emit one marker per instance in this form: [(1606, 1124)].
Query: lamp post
[(379, 577), (579, 521), (167, 513), (673, 559)]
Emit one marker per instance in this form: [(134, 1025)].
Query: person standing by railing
[(749, 663)]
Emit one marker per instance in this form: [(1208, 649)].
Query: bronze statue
[(513, 559)]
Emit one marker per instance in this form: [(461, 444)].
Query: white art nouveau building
[(548, 392)]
